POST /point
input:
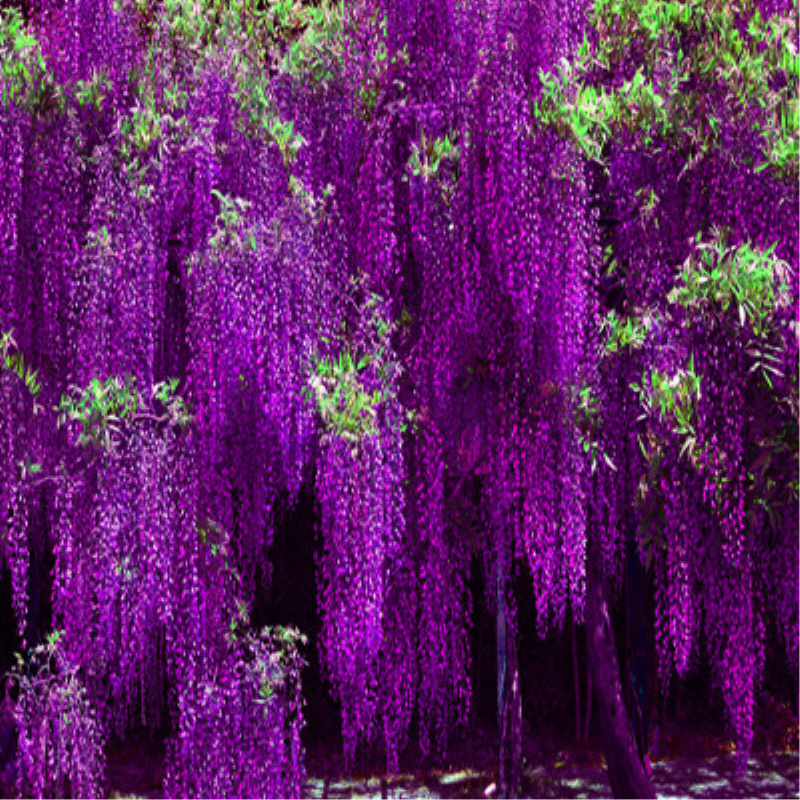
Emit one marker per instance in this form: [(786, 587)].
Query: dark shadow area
[(291, 600)]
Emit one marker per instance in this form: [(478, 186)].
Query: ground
[(698, 765), (689, 765), (769, 776)]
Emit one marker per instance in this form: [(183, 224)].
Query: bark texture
[(626, 773)]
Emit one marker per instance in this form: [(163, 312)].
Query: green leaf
[(24, 40)]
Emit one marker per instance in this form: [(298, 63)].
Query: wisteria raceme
[(400, 669), (56, 230), (239, 707), (61, 739), (786, 598), (444, 689), (361, 520), (613, 491), (73, 607), (12, 136), (18, 555), (682, 567), (736, 637), (114, 601), (23, 541), (7, 390), (293, 306), (562, 303), (81, 36), (440, 554), (112, 287)]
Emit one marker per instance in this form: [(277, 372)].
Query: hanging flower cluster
[(239, 707), (60, 737), (129, 219)]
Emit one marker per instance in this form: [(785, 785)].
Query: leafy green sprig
[(625, 333), (13, 361), (429, 157), (673, 399), (230, 229), (24, 77), (100, 409), (429, 154), (742, 286), (588, 421), (717, 276), (93, 92), (336, 388), (349, 389), (104, 409), (279, 669), (375, 71), (317, 56)]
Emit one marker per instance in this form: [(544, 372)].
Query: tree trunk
[(626, 772), (588, 723), (509, 698), (576, 678), (638, 645)]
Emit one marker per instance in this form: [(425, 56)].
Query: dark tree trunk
[(636, 623), (588, 723), (509, 698), (576, 678), (626, 772)]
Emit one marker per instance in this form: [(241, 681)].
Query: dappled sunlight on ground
[(771, 777)]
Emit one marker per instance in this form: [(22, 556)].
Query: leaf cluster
[(623, 333), (345, 407), (287, 140), (317, 56), (592, 115), (13, 361), (429, 156), (103, 409), (230, 230), (685, 50), (673, 399), (100, 409), (717, 277), (588, 422), (24, 77), (348, 389), (92, 93), (45, 668), (277, 661), (375, 71)]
